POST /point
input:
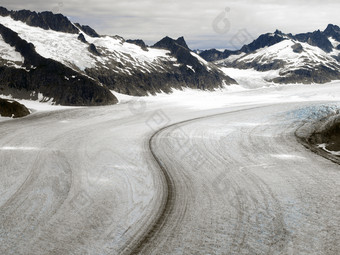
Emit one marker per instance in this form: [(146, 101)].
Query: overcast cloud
[(204, 24)]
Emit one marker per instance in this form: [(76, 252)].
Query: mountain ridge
[(312, 57), (45, 20), (317, 38)]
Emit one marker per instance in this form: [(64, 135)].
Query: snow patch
[(8, 52), (5, 118), (192, 69), (334, 42), (287, 156), (323, 146), (19, 148)]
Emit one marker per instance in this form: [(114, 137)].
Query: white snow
[(4, 118), (287, 156), (19, 148), (192, 69), (323, 146), (234, 95), (250, 78), (136, 52), (334, 42), (8, 52)]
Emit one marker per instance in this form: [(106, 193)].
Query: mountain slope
[(31, 74)]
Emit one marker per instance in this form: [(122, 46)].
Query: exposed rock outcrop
[(11, 108)]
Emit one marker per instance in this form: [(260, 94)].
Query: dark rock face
[(297, 48), (138, 42), (329, 134), (326, 131), (4, 12), (51, 78), (81, 38), (11, 108), (171, 44), (317, 39), (337, 58), (87, 30), (321, 74), (274, 65), (45, 20), (333, 31), (179, 50), (92, 48), (263, 41), (214, 55), (182, 42), (140, 84)]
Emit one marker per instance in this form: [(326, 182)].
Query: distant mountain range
[(46, 57), (302, 58)]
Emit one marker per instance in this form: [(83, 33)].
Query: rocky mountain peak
[(319, 39), (278, 32), (332, 31), (179, 49), (181, 41), (332, 28), (171, 44), (262, 41), (4, 12)]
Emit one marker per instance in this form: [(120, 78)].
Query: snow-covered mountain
[(303, 58), (45, 54)]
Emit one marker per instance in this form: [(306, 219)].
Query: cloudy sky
[(204, 24)]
